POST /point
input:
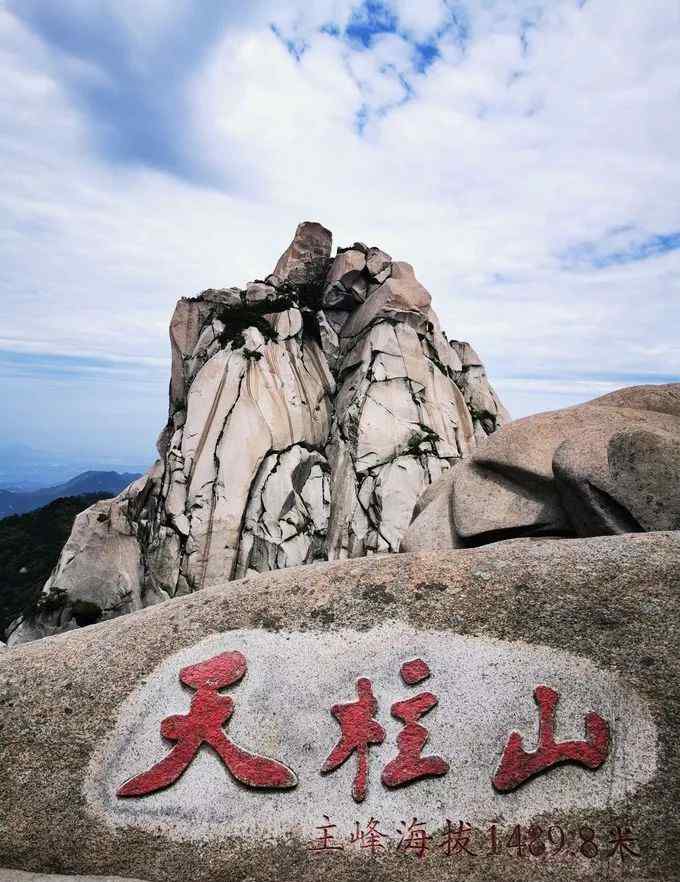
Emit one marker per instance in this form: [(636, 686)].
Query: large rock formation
[(308, 413), (609, 466)]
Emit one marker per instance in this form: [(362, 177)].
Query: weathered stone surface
[(185, 327), (346, 268), (594, 619), (399, 298), (287, 516), (400, 422), (20, 876), (306, 255), (377, 261), (609, 466), (258, 291), (330, 343), (99, 573), (468, 356), (484, 405), (225, 296), (286, 324), (432, 527), (307, 414)]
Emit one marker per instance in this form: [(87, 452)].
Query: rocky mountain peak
[(308, 412), (307, 256)]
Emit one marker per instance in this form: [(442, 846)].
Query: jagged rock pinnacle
[(307, 414), (307, 255)]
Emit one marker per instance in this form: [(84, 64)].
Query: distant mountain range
[(108, 483), (24, 468)]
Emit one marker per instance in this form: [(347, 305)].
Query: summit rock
[(308, 413)]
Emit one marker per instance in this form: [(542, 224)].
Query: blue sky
[(522, 154)]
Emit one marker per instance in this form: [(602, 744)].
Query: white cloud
[(422, 19), (507, 157)]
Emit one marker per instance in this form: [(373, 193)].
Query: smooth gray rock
[(609, 466)]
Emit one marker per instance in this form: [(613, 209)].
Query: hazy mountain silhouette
[(109, 483)]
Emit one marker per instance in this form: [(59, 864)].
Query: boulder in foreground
[(611, 465), (202, 741)]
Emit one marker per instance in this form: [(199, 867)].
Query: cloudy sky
[(522, 154)]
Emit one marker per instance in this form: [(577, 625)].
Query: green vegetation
[(477, 415), (29, 548), (306, 296), (237, 318), (423, 435)]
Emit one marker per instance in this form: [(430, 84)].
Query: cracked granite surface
[(308, 412)]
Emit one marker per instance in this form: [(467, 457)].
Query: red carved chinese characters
[(414, 837), (622, 843), (414, 671), (370, 837), (209, 712), (457, 840), (518, 766), (359, 730), (324, 842), (409, 765)]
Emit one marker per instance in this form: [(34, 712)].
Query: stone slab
[(484, 688), (20, 876), (595, 620)]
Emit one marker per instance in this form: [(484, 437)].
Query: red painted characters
[(518, 766), (210, 711), (359, 730), (409, 765), (204, 723)]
